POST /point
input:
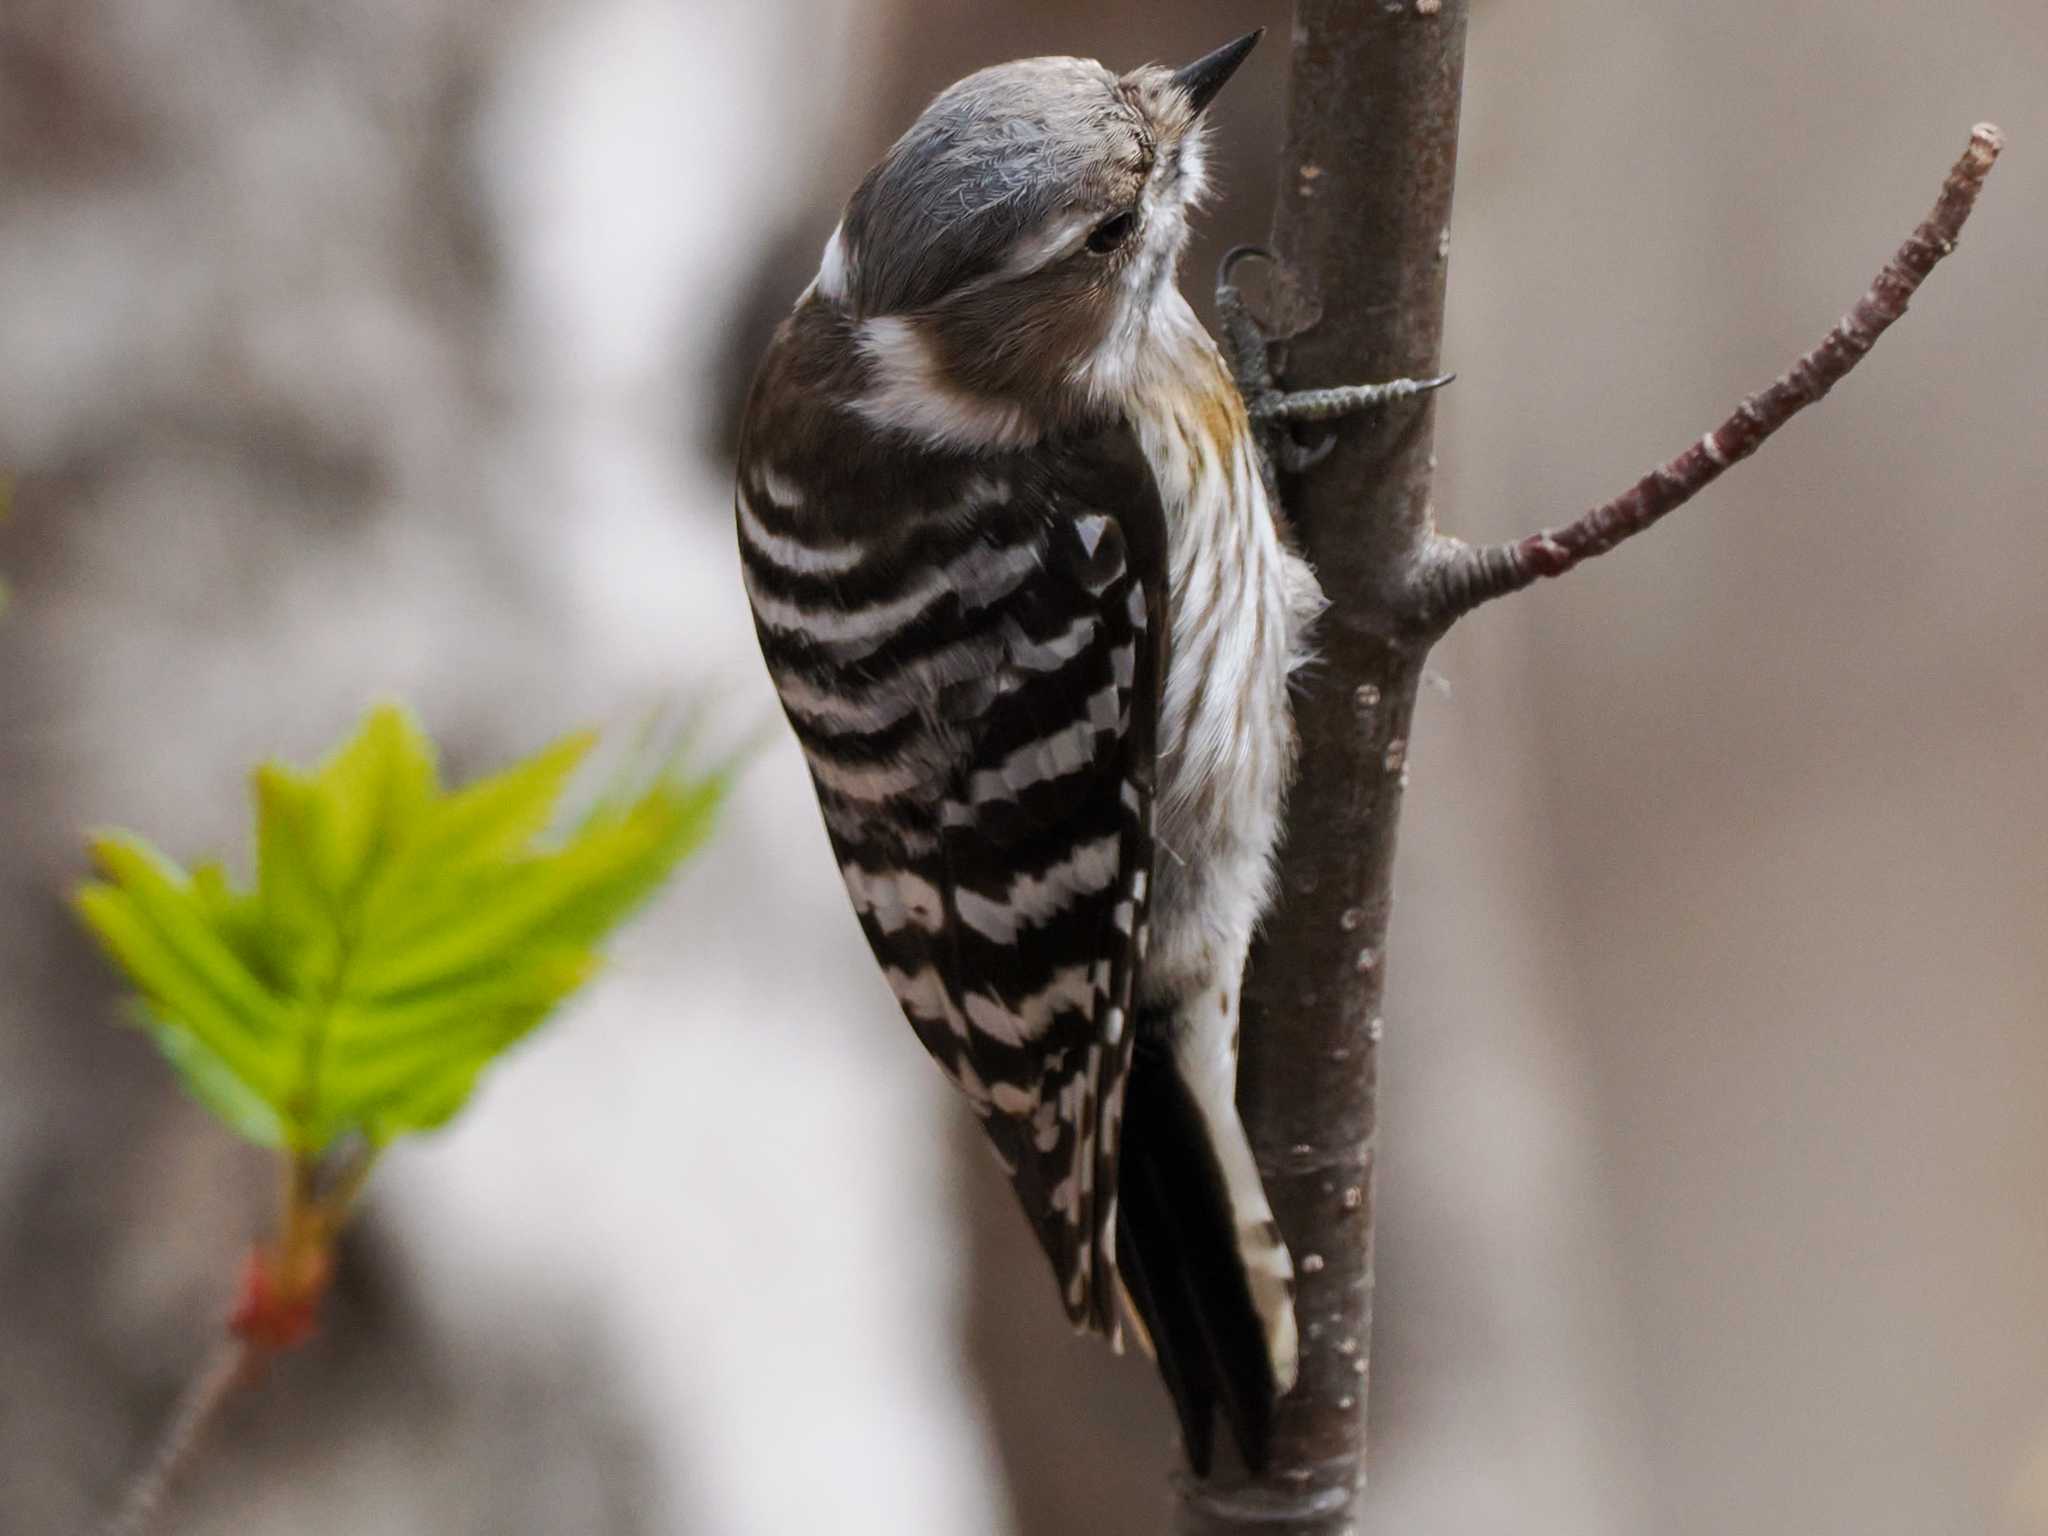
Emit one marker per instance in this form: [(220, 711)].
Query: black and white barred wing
[(976, 691)]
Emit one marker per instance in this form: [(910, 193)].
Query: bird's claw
[(1297, 457), (1273, 409), (1246, 346), (1294, 405), (1233, 256)]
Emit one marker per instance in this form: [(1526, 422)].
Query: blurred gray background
[(395, 346)]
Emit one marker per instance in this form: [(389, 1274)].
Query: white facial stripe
[(1049, 245)]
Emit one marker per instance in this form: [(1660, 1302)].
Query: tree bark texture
[(1360, 233)]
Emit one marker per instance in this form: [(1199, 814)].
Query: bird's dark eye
[(1112, 232)]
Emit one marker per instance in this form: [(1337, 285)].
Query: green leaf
[(295, 914), (396, 937), (172, 987), (498, 816), (370, 797), (212, 1081)]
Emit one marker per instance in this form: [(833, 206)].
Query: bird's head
[(1013, 247)]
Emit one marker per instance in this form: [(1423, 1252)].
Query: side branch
[(227, 1367), (1452, 578)]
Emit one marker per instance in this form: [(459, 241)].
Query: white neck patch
[(908, 394)]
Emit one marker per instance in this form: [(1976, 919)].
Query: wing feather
[(977, 694)]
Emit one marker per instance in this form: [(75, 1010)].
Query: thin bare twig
[(283, 1284), (1452, 578), (226, 1368)]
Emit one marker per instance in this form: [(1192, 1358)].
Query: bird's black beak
[(1204, 78)]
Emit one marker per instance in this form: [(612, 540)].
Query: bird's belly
[(1241, 602)]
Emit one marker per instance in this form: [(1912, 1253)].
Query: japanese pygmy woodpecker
[(1020, 583)]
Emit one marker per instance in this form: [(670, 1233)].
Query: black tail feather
[(1177, 1246), (1168, 1316)]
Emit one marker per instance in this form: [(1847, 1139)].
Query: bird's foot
[(1273, 409)]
